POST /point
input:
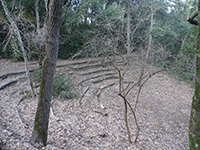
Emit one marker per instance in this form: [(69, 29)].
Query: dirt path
[(163, 111)]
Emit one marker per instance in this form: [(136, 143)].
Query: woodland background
[(98, 28)]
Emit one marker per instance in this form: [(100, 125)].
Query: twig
[(83, 94), (151, 75), (103, 114), (18, 102), (142, 79)]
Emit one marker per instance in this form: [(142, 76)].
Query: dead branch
[(16, 109), (101, 113), (16, 31), (83, 94), (142, 79), (13, 73), (7, 84), (10, 82), (121, 94), (96, 71), (105, 78), (97, 76)]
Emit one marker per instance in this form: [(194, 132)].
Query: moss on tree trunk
[(194, 126), (40, 130)]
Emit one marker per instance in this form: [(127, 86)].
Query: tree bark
[(39, 134), (150, 32), (194, 126), (128, 31), (150, 40), (37, 15), (19, 38)]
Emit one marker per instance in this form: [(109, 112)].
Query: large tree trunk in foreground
[(194, 127), (48, 69)]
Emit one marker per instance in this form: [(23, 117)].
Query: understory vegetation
[(62, 87)]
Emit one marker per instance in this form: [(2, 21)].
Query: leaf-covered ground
[(97, 123)]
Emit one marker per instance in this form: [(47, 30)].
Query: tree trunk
[(19, 38), (48, 69), (150, 32), (128, 31), (194, 127), (150, 41), (37, 15)]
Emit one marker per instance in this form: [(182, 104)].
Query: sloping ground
[(98, 122)]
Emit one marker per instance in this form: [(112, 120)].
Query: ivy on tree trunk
[(39, 133)]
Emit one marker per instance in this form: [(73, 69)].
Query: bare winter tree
[(16, 32), (48, 69)]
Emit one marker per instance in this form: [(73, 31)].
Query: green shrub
[(36, 75), (62, 86)]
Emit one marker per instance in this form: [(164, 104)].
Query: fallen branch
[(16, 109), (14, 73), (97, 76), (96, 71), (8, 83), (101, 113), (83, 94)]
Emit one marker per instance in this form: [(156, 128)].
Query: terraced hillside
[(95, 120)]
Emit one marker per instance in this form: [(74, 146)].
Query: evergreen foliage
[(93, 28), (62, 87)]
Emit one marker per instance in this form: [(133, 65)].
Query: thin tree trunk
[(194, 127), (150, 33), (48, 69), (128, 31), (37, 15), (19, 38), (150, 40)]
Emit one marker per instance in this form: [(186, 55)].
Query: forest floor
[(97, 123)]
